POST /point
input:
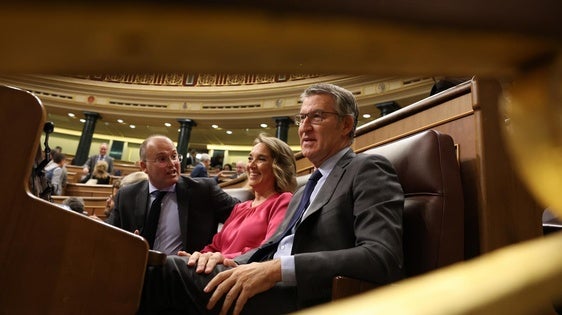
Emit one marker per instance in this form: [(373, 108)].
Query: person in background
[(52, 165), (190, 209), (76, 204), (191, 157), (100, 173), (58, 174), (272, 178), (201, 169), (346, 221), (225, 174), (93, 160), (131, 178), (240, 168)]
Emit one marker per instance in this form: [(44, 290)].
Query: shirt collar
[(152, 189), (328, 165)]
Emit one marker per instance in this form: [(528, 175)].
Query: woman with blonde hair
[(271, 173), (100, 173)]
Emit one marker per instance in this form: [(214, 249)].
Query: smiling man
[(189, 209), (351, 225)]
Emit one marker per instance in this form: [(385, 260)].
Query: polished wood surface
[(74, 173), (489, 38), (55, 261), (92, 205), (523, 279), (238, 182), (88, 190), (125, 169)]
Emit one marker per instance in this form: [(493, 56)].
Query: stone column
[(183, 139), (83, 149), (283, 124)]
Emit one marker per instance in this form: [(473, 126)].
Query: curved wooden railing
[(56, 261)]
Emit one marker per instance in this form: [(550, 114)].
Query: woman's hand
[(206, 262)]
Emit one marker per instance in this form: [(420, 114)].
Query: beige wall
[(69, 143)]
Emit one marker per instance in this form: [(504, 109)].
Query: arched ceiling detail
[(237, 108)]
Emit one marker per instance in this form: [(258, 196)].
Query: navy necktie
[(305, 200), (266, 250), (151, 224)]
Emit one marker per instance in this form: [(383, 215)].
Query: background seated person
[(100, 173), (272, 177), (76, 204), (240, 169), (131, 178), (93, 160), (200, 170), (225, 174)]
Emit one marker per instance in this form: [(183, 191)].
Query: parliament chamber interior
[(213, 76)]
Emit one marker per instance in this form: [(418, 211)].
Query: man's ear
[(143, 166), (347, 123)]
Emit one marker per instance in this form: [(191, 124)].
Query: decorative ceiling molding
[(240, 109)]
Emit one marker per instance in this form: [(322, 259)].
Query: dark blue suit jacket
[(199, 171)]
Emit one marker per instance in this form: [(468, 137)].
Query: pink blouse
[(248, 227)]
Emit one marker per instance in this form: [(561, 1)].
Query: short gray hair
[(346, 104)]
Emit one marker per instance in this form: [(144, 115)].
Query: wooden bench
[(74, 173), (86, 190), (238, 182), (92, 205), (124, 169), (72, 177)]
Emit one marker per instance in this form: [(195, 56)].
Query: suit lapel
[(321, 199), (141, 200), (183, 196), (330, 185)]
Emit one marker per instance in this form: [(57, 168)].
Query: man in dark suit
[(92, 160), (190, 211), (200, 170), (352, 227)]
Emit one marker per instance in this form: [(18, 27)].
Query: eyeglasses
[(163, 159), (315, 117)]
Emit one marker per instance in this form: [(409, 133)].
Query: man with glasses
[(173, 212), (350, 226)]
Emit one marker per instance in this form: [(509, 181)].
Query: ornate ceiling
[(237, 104)]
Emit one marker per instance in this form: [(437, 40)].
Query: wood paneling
[(87, 190), (56, 261), (92, 205)]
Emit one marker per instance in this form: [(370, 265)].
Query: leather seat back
[(428, 169)]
